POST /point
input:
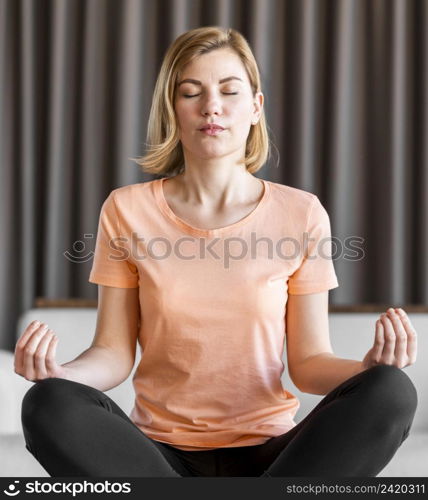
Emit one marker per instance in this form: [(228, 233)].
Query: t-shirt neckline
[(165, 208)]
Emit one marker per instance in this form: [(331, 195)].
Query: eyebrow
[(197, 82)]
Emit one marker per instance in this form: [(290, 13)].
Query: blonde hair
[(165, 154)]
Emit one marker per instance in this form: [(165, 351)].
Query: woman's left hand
[(395, 341)]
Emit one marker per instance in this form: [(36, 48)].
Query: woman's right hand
[(35, 354)]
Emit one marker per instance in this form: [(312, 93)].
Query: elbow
[(302, 388), (129, 370), (296, 380), (315, 392), (301, 385), (308, 388)]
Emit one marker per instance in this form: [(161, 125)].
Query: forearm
[(98, 367), (322, 373)]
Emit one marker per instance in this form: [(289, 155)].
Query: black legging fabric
[(75, 430)]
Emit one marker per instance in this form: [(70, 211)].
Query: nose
[(211, 106)]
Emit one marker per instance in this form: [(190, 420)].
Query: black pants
[(75, 430)]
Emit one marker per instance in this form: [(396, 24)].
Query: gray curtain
[(345, 84)]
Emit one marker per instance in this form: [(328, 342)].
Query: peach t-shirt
[(213, 305)]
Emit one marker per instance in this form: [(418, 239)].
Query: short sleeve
[(316, 272), (111, 265)]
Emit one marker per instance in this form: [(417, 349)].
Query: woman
[(204, 258)]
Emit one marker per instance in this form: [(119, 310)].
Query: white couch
[(352, 335)]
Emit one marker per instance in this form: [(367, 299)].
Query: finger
[(40, 356), (412, 337), (28, 332), (400, 351), (19, 347), (51, 364), (379, 341), (389, 347), (30, 349)]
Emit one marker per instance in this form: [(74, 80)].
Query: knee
[(391, 389), (42, 400)]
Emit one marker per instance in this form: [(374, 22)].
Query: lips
[(212, 127)]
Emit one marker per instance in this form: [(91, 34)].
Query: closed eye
[(227, 93)]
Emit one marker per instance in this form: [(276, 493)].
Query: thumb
[(374, 354), (379, 341)]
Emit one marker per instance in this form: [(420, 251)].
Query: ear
[(258, 107)]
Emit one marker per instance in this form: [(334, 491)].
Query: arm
[(98, 367), (334, 371), (315, 369), (111, 357), (312, 365)]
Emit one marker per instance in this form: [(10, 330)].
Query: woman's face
[(229, 104)]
